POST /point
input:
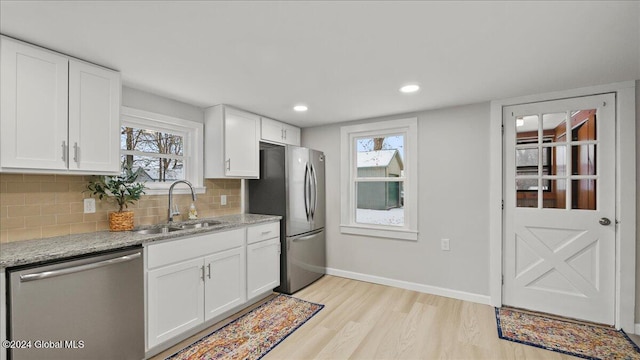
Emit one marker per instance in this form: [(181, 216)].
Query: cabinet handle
[(202, 269), (229, 164), (282, 134), (209, 268), (285, 134), (76, 152), (266, 232), (64, 151)]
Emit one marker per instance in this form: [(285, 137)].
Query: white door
[(559, 244), (33, 107), (242, 141), (175, 300), (226, 281), (94, 118)]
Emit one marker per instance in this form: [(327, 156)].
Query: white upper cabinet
[(33, 107), (278, 132), (58, 114), (232, 143), (94, 118)]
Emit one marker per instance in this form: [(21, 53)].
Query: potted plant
[(122, 189)]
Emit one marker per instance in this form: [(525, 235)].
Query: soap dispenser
[(193, 213)]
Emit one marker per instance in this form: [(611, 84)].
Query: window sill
[(398, 234)]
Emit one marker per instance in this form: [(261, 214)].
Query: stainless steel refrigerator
[(291, 185)]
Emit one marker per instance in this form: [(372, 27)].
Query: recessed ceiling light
[(409, 88), (300, 108)]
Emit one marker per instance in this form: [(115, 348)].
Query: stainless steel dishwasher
[(85, 308)]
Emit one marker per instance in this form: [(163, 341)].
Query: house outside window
[(162, 149), (378, 177)]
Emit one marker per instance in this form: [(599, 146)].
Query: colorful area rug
[(253, 334), (577, 339)]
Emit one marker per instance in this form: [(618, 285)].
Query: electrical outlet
[(223, 199), (444, 245), (89, 205)]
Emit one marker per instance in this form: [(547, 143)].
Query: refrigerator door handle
[(315, 191), (306, 190)]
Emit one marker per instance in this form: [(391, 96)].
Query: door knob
[(604, 221)]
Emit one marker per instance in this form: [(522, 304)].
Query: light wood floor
[(368, 321)]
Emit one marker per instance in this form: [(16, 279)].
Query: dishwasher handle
[(75, 269)]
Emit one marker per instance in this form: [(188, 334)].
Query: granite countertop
[(60, 247)]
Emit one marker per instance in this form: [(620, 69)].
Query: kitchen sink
[(203, 224), (159, 230)]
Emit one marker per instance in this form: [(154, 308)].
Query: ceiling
[(345, 60)]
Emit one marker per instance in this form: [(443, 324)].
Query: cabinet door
[(271, 130), (291, 134), (226, 281), (263, 267), (94, 118), (175, 300), (242, 138), (33, 107)]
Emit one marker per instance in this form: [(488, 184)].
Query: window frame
[(192, 151), (407, 127)]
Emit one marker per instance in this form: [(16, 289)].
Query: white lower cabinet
[(225, 282), (263, 267), (175, 300), (192, 280)]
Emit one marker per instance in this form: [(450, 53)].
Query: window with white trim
[(163, 148), (379, 179)]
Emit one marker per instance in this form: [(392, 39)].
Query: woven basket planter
[(121, 221)]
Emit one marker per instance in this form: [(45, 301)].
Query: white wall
[(637, 206), (142, 100), (453, 203)]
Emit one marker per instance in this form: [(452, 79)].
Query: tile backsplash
[(41, 206)]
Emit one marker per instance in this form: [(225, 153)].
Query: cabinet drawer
[(263, 232), (188, 248)]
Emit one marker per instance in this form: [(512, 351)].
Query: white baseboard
[(427, 289)]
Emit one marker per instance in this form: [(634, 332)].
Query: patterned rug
[(577, 339), (253, 334)]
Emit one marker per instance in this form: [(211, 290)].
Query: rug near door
[(567, 337), (254, 334)]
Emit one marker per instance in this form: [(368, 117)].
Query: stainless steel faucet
[(173, 209)]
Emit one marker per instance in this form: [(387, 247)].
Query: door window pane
[(527, 128), (558, 160), (583, 194), (584, 159), (583, 125), (554, 125), (556, 197), (527, 199), (380, 203)]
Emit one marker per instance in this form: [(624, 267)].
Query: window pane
[(527, 129), (558, 160), (556, 198), (527, 198), (154, 169), (583, 194), (584, 159), (380, 156), (150, 141), (527, 161), (583, 125), (380, 203), (554, 125)]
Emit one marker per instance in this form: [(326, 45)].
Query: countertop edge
[(32, 252)]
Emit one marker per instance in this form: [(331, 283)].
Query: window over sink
[(163, 148)]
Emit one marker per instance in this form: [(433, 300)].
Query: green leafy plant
[(122, 189)]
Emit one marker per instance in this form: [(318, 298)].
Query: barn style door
[(559, 243)]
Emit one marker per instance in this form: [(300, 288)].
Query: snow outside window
[(378, 175), (163, 149)]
